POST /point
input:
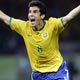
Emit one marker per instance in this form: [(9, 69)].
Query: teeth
[(32, 20)]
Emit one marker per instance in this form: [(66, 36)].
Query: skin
[(34, 13), (38, 23)]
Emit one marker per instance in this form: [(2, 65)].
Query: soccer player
[(41, 40)]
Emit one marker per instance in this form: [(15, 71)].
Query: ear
[(42, 16)]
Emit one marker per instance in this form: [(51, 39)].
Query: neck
[(39, 26)]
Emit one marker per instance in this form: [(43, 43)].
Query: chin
[(32, 25)]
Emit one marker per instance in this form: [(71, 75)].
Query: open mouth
[(32, 20)]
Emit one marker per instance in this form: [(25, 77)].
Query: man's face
[(34, 16)]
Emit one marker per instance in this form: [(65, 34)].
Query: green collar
[(40, 28)]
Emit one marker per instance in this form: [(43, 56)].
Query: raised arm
[(5, 18), (71, 15)]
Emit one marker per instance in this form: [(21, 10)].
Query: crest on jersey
[(44, 35)]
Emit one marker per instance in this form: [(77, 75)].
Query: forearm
[(5, 18), (71, 15), (74, 12)]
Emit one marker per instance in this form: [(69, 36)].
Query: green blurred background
[(14, 63)]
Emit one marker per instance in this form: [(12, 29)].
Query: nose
[(31, 14)]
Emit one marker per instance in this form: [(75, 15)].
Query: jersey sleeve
[(17, 25), (57, 23), (60, 25)]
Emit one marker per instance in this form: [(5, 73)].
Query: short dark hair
[(39, 4)]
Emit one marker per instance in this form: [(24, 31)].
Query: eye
[(36, 11)]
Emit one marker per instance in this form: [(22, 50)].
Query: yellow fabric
[(42, 46)]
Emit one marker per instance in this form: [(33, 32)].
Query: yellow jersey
[(42, 46)]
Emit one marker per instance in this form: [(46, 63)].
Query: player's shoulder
[(17, 20), (53, 19)]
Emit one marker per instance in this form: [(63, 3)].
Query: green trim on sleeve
[(62, 20), (10, 20)]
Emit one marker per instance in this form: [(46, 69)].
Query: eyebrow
[(35, 10)]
